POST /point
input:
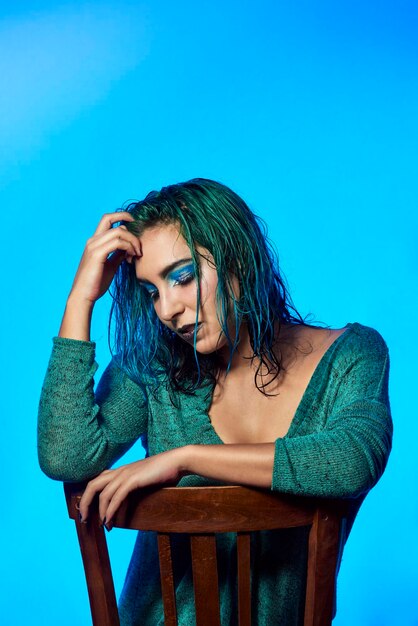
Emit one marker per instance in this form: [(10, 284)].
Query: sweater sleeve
[(80, 432), (347, 457)]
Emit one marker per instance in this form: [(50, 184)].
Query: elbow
[(58, 467), (51, 461), (361, 475), (48, 466), (60, 459), (56, 458), (365, 464), (69, 463)]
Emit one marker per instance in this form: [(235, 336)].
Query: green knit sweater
[(337, 446)]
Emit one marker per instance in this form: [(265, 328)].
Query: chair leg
[(323, 554), (98, 572)]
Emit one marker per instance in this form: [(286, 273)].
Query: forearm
[(240, 464), (77, 320)]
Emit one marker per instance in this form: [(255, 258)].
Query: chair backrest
[(202, 512)]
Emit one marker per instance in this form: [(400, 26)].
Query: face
[(166, 271)]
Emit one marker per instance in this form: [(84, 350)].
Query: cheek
[(208, 285), (190, 294)]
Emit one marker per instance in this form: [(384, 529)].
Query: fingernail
[(81, 519), (104, 521)]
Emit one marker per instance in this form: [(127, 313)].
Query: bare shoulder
[(308, 343), (333, 333), (315, 335)]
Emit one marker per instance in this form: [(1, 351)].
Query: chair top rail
[(212, 509)]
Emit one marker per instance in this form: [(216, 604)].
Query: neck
[(244, 352), (241, 354)]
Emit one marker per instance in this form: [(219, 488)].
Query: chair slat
[(205, 579), (167, 580), (322, 563), (244, 579)]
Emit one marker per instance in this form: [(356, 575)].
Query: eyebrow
[(168, 268)]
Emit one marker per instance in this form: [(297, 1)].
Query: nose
[(170, 306)]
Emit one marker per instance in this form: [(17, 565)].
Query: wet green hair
[(212, 216)]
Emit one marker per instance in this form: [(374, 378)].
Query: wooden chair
[(201, 512)]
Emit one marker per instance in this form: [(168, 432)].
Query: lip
[(187, 331)]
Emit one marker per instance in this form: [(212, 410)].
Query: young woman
[(225, 382)]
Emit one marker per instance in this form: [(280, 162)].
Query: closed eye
[(179, 277), (184, 278)]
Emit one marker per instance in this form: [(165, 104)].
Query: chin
[(210, 346), (205, 348)]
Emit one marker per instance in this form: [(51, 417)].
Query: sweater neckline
[(308, 395)]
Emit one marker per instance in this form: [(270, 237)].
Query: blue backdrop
[(309, 111)]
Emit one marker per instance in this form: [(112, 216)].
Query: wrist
[(79, 304), (185, 456), (77, 319)]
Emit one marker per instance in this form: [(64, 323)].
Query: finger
[(93, 487), (115, 235), (106, 497), (109, 219), (129, 258), (114, 503), (124, 249), (100, 252)]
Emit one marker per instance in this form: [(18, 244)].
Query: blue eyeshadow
[(181, 272)]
